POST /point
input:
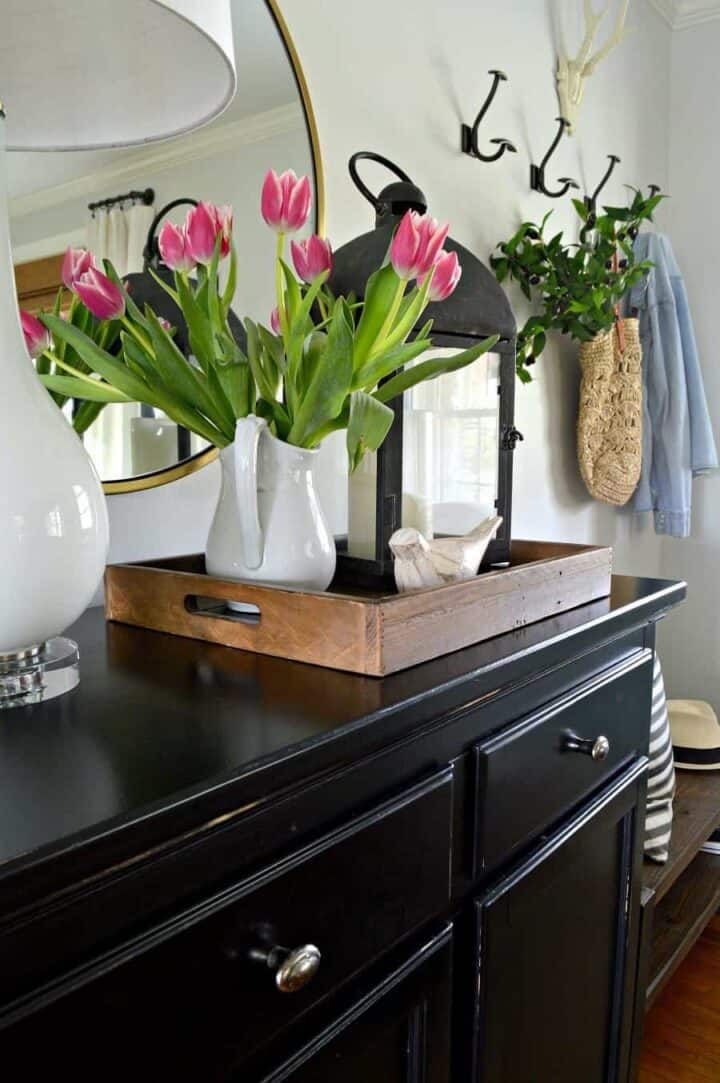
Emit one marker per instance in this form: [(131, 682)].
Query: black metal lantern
[(477, 309)]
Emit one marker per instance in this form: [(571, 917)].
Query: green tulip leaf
[(369, 423), (323, 398), (72, 388), (432, 368)]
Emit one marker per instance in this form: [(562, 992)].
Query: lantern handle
[(369, 155)]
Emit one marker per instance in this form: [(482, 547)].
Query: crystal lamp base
[(38, 673)]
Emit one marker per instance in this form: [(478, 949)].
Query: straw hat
[(695, 734)]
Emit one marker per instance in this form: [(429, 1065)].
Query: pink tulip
[(275, 321), (203, 225), (101, 296), (445, 276), (173, 245), (75, 263), (37, 336), (311, 257), (416, 244), (165, 324), (286, 201), (224, 223)]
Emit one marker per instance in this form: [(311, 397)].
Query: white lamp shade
[(80, 74)]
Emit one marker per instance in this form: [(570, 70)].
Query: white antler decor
[(572, 73)]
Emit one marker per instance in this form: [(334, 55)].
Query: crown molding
[(666, 8), (681, 14), (205, 143)]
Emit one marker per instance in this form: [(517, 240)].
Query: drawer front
[(200, 993), (530, 775), (396, 1032)]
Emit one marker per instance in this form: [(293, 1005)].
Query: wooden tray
[(345, 628)]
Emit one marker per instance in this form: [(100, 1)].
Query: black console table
[(217, 866)]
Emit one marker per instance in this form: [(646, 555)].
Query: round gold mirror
[(107, 201)]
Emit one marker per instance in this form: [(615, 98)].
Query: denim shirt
[(678, 442)]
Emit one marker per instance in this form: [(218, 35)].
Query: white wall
[(691, 644), (399, 79)]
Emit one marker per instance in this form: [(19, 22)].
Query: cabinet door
[(398, 1033), (553, 950)]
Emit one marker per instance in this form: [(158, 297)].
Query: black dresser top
[(163, 732)]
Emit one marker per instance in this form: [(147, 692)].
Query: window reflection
[(450, 449)]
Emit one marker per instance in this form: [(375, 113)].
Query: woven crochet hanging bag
[(609, 428)]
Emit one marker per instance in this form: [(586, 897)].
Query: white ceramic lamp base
[(53, 519)]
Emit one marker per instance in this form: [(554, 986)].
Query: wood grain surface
[(682, 1032), (364, 633)]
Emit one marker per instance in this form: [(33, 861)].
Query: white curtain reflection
[(119, 233)]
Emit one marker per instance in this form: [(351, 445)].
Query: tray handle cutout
[(223, 609)]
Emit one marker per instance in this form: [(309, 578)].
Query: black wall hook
[(537, 172), (591, 201), (469, 136)]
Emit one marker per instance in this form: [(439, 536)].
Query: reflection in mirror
[(61, 199), (450, 438)]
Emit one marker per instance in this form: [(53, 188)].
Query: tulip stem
[(279, 287)]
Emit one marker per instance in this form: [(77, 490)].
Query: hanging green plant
[(575, 287)]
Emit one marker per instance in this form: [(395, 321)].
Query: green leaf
[(255, 359), (112, 370), (322, 400), (202, 342), (410, 316), (186, 382), (388, 362), (275, 413), (85, 415), (293, 293), (368, 424), (380, 292), (430, 369), (230, 283), (237, 384), (73, 388), (582, 208)]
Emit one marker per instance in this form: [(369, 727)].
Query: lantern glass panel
[(451, 434)]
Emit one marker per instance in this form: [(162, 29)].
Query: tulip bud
[(275, 321), (76, 262), (224, 225), (37, 336), (445, 276), (173, 245), (416, 244), (311, 257), (100, 296), (286, 201)]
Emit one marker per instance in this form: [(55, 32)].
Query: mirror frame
[(203, 458)]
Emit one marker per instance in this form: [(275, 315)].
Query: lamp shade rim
[(204, 29)]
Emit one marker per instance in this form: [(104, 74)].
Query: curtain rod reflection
[(146, 196)]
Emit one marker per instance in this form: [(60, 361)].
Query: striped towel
[(661, 775)]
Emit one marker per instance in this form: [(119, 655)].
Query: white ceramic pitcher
[(268, 525)]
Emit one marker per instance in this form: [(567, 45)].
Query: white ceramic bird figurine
[(422, 563)]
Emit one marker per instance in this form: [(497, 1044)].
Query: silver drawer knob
[(298, 968), (294, 969), (598, 749)]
